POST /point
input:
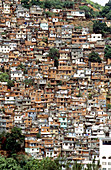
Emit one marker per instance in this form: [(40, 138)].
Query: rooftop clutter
[(55, 81)]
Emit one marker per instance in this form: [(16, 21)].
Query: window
[(103, 163), (103, 157), (109, 163), (106, 142)]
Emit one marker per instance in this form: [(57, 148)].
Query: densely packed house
[(59, 102)]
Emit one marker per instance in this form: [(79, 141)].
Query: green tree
[(54, 54), (26, 3), (108, 16), (21, 159), (20, 66), (90, 96), (35, 2), (49, 164), (77, 166), (4, 77), (23, 68), (68, 4), (45, 39), (106, 11), (47, 4), (46, 164), (108, 106), (3, 140), (107, 52), (10, 84), (95, 5), (89, 167), (94, 57), (38, 135), (12, 142), (52, 4), (19, 162), (28, 82), (93, 165), (101, 28), (32, 164), (8, 163), (89, 13)]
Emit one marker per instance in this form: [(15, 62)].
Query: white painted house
[(105, 153), (94, 37)]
